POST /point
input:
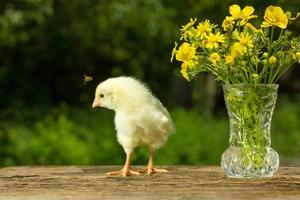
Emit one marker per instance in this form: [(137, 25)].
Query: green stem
[(263, 72), (282, 72), (277, 48), (269, 55)]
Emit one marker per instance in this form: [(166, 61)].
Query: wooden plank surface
[(181, 182)]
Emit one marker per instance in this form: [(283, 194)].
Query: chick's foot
[(152, 170), (124, 172)]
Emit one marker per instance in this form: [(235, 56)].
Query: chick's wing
[(154, 120)]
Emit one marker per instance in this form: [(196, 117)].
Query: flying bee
[(87, 78)]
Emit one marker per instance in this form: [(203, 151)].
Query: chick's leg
[(150, 167), (126, 169)]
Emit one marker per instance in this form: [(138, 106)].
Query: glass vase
[(250, 109)]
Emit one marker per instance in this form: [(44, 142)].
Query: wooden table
[(181, 182)]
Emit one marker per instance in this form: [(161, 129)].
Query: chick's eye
[(101, 95)]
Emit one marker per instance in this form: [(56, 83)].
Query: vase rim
[(251, 84)]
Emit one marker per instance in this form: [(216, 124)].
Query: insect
[(87, 78)]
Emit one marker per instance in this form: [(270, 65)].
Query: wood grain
[(181, 182)]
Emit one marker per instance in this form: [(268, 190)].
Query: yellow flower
[(245, 40), (184, 71), (186, 52), (204, 28), (272, 60), (214, 58), (174, 51), (238, 49), (274, 16), (189, 25), (243, 15), (228, 23), (185, 32), (213, 40), (229, 59), (296, 56), (185, 35)]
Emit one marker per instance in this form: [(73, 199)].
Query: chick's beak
[(96, 103)]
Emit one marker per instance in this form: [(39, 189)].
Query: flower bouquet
[(248, 60)]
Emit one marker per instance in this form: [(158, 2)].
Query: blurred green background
[(45, 109)]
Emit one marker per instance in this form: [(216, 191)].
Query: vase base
[(238, 164), (250, 177)]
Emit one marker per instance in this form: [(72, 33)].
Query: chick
[(140, 118)]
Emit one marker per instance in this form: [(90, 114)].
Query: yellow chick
[(140, 118)]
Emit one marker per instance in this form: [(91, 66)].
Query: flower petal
[(278, 10), (235, 10), (274, 16), (269, 12), (283, 23), (184, 71), (248, 10)]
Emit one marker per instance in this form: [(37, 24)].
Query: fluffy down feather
[(141, 119)]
